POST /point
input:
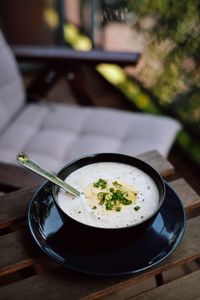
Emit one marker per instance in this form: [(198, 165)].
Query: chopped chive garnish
[(101, 183), (118, 208), (137, 207), (115, 196), (117, 184), (127, 202), (109, 206)]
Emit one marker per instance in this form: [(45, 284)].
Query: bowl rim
[(79, 159)]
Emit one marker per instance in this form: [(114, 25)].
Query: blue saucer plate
[(131, 254)]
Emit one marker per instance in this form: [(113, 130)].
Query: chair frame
[(62, 60)]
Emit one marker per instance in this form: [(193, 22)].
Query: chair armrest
[(60, 55), (15, 177)]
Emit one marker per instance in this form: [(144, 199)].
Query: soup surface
[(113, 195)]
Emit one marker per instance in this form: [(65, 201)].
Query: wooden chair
[(55, 133)]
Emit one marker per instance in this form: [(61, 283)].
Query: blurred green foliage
[(169, 80), (173, 50), (174, 35), (178, 23)]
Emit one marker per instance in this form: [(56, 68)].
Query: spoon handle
[(25, 161)]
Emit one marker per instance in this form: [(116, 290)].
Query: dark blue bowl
[(104, 233)]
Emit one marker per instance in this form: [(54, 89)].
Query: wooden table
[(26, 273)]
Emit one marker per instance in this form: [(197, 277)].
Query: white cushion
[(11, 89), (54, 134)]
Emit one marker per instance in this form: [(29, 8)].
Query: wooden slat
[(70, 285), (64, 56), (16, 177), (188, 250), (17, 252), (184, 288), (180, 256), (16, 260), (14, 206), (158, 162), (188, 196)]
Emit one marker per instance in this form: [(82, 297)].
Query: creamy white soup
[(112, 195)]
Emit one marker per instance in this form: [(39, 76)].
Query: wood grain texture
[(70, 285), (184, 288), (188, 196), (158, 162), (179, 257), (13, 206), (15, 177), (65, 280), (17, 252)]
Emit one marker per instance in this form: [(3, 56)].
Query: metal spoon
[(25, 161)]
